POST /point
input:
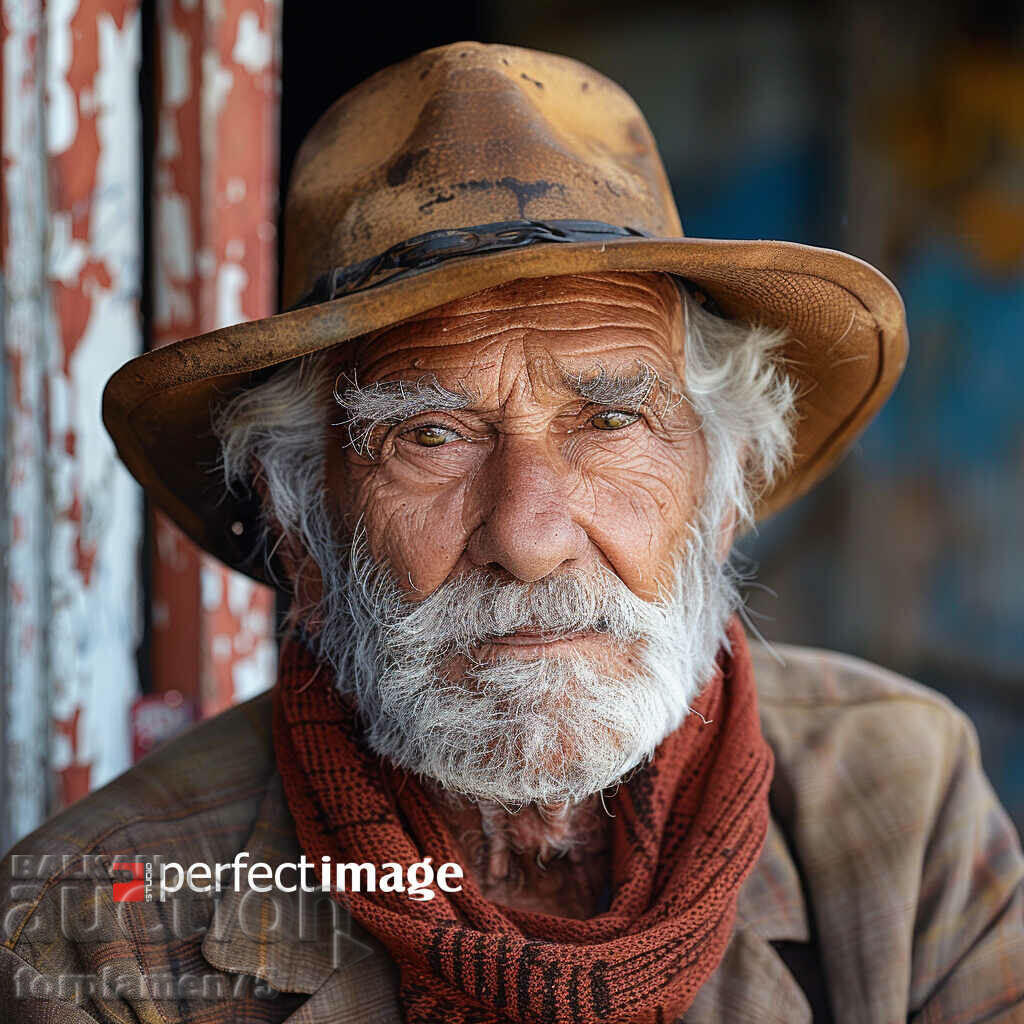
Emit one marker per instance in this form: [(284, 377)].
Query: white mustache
[(476, 608)]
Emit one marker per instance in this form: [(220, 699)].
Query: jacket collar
[(771, 900), (292, 941)]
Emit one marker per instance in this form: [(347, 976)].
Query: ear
[(726, 535), (303, 575), (729, 526)]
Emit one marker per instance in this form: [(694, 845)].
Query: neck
[(544, 858)]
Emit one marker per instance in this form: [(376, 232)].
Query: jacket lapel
[(753, 982), (292, 941), (364, 993)]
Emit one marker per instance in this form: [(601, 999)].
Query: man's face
[(528, 597), (533, 476)]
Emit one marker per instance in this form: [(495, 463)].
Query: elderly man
[(496, 452)]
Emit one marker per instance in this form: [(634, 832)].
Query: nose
[(528, 528)]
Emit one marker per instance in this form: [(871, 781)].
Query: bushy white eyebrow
[(367, 407), (632, 391)]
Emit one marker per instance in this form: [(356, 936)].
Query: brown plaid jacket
[(891, 886)]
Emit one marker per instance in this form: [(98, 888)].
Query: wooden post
[(214, 236)]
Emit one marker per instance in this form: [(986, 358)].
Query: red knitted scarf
[(686, 833)]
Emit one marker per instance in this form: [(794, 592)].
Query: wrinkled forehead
[(575, 321)]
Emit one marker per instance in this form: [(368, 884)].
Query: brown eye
[(616, 419), (431, 436)]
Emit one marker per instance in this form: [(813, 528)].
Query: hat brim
[(845, 319)]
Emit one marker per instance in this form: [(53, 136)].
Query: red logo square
[(133, 891)]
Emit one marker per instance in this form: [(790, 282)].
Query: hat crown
[(462, 135)]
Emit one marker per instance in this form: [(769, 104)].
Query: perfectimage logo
[(138, 881)]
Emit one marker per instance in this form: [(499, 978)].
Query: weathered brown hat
[(462, 168)]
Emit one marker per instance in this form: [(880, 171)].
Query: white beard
[(550, 730)]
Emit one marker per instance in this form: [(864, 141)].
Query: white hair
[(503, 733), (746, 401)]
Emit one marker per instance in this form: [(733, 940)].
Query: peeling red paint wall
[(69, 512), (93, 267), (70, 236), (214, 229), (23, 725)]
